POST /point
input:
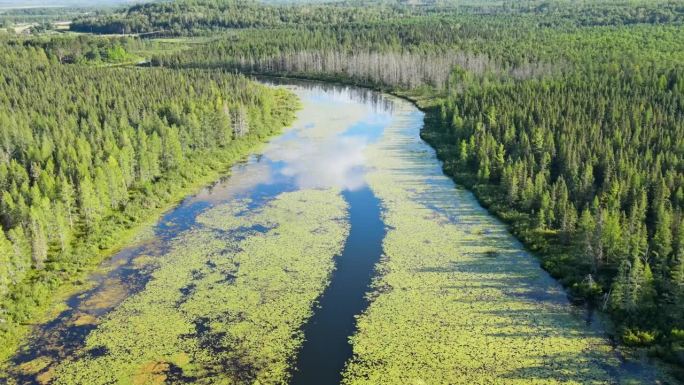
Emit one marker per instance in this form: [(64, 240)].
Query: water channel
[(326, 149)]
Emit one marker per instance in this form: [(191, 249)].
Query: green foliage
[(457, 299), (564, 118), (17, 15), (86, 153), (188, 17), (85, 49), (566, 121), (638, 337), (197, 17)]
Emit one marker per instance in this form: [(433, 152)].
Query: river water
[(327, 148)]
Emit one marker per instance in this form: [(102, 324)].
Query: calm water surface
[(324, 148)]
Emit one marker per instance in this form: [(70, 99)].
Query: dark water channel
[(327, 347)]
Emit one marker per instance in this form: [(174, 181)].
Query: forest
[(88, 152), (187, 17), (566, 120)]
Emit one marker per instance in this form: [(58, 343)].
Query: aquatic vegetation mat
[(226, 304), (457, 300)]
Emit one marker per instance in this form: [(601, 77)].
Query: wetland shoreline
[(215, 167), (35, 363), (437, 256)]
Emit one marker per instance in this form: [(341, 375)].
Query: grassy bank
[(43, 289), (457, 300)]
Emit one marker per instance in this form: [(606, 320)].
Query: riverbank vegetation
[(565, 119), (86, 153), (456, 299)]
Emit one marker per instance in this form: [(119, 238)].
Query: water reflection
[(331, 162), (324, 148), (375, 101)]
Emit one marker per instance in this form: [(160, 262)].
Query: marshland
[(227, 192)]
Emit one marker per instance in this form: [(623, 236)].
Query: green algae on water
[(457, 299), (225, 306)]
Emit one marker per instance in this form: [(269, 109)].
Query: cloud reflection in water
[(332, 162), (324, 148)]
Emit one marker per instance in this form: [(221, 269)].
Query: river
[(338, 252)]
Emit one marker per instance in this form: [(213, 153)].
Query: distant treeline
[(192, 17), (39, 15), (197, 17)]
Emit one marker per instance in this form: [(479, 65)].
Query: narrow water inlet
[(326, 348)]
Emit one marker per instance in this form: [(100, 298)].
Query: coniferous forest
[(565, 119), (88, 152)]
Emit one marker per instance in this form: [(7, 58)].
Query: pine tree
[(586, 229), (60, 229), (619, 288), (5, 264), (463, 152), (154, 151), (116, 184), (101, 185), (484, 172), (39, 242), (144, 168), (634, 285), (661, 244), (172, 153), (21, 256), (499, 161), (89, 204), (8, 211), (540, 219), (224, 135), (611, 236), (67, 195), (127, 154), (677, 269), (568, 223), (240, 123)]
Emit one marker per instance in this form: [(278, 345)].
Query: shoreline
[(129, 237), (596, 318), (422, 103)]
